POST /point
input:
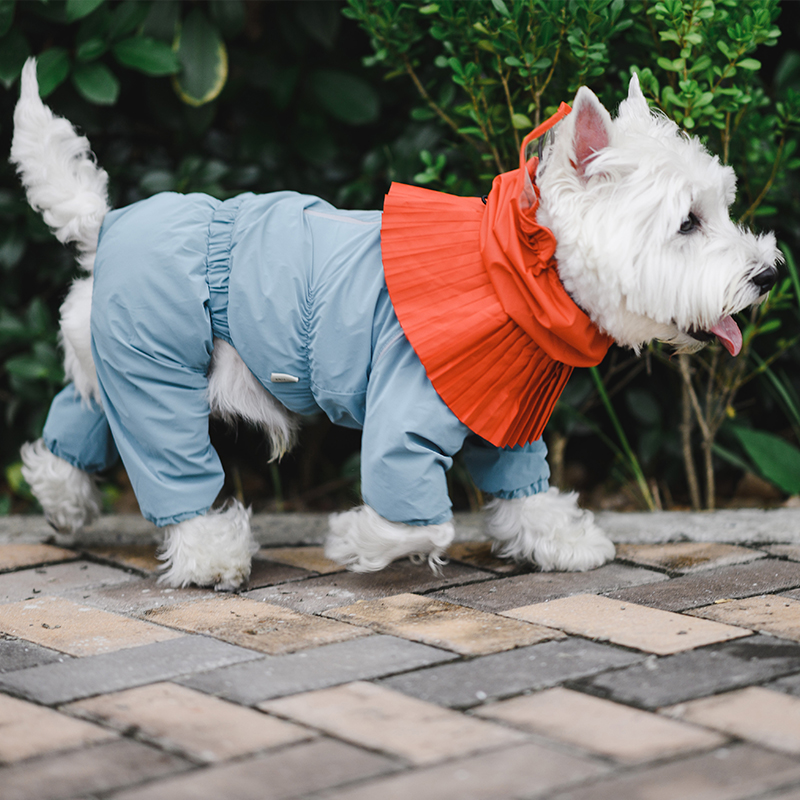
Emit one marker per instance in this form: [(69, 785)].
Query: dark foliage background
[(261, 96)]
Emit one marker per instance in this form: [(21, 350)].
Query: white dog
[(644, 247)]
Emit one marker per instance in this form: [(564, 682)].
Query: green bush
[(488, 72), (227, 96), (221, 97)]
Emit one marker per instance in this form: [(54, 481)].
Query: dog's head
[(646, 245)]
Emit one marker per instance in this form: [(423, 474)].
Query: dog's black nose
[(766, 279)]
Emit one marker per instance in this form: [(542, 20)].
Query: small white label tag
[(282, 377)]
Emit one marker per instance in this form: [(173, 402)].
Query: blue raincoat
[(297, 287)]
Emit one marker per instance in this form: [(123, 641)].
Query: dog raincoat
[(298, 288)]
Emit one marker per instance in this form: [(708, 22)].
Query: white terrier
[(243, 309)]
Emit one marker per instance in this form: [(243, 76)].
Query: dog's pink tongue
[(727, 331)]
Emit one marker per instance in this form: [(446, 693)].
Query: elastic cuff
[(162, 522), (542, 485), (92, 469)]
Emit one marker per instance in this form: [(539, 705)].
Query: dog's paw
[(214, 549), (68, 496), (550, 530), (363, 541)]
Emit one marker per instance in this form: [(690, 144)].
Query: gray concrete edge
[(758, 526)]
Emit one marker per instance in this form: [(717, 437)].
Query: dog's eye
[(690, 224)]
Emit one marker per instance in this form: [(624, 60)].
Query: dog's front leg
[(550, 530), (364, 541), (529, 521)]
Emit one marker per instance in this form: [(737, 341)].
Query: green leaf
[(346, 97), (27, 368), (90, 50), (162, 20), (147, 55), (751, 64), (52, 68), (78, 9), (230, 16), (96, 83), (203, 58), (128, 16), (667, 64), (776, 459), (501, 8), (520, 122), (6, 16), (14, 50), (321, 21)]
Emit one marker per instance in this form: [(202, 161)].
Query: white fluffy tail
[(58, 171)]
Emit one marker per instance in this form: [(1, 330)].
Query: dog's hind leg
[(60, 467)]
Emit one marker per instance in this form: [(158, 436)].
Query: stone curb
[(780, 525)]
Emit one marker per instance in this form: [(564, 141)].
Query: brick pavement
[(673, 672)]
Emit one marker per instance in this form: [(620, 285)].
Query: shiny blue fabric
[(297, 287)]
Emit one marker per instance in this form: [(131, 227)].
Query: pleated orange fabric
[(476, 291)]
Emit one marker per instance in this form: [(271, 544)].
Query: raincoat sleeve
[(409, 440), (77, 431), (507, 472)]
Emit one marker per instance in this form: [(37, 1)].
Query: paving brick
[(731, 773), (86, 772), (84, 677), (759, 715), (480, 555), (687, 557), (790, 551), (15, 556), (329, 591), (136, 597), (76, 629), (381, 719), (270, 573), (459, 628), (627, 624), (257, 625), (27, 584), (305, 558), (178, 719), (658, 682), (289, 773), (773, 614), (625, 734), (28, 730), (527, 770), (467, 683), (690, 591), (540, 586), (141, 557), (358, 659), (788, 794), (19, 654)]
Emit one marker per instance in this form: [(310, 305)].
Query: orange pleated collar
[(477, 293)]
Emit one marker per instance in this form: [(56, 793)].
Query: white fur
[(235, 393), (548, 529), (68, 496), (616, 223), (614, 193), (210, 550), (57, 169), (365, 542)]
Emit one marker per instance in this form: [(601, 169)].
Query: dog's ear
[(591, 129), (636, 104)]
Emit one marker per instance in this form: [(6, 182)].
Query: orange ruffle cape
[(476, 291)]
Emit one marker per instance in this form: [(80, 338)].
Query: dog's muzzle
[(765, 279)]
